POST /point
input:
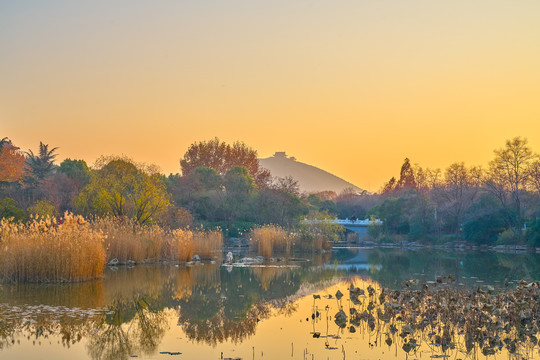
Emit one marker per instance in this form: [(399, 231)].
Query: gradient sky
[(350, 86)]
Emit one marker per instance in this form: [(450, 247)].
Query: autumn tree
[(508, 175), (12, 162), (389, 186), (221, 156), (4, 141), (121, 188), (406, 179), (406, 176)]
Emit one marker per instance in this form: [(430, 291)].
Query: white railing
[(358, 222)]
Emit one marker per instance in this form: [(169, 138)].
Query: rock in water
[(114, 262)]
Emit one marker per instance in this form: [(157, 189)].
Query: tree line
[(220, 185), (223, 185), (496, 205)]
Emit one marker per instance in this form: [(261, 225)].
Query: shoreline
[(460, 246)]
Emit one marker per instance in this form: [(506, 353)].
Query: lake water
[(278, 310)]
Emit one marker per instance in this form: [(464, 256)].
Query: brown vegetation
[(127, 240), (268, 239), (197, 242), (47, 250)]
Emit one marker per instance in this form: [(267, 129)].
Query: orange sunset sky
[(350, 86)]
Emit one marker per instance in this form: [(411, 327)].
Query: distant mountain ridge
[(310, 178)]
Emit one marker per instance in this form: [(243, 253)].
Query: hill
[(310, 178)]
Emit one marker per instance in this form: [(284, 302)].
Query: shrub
[(9, 209), (508, 237), (42, 208), (317, 233), (47, 250)]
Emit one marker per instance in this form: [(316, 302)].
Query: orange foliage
[(11, 164)]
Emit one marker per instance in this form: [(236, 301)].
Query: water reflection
[(133, 312), (128, 328)]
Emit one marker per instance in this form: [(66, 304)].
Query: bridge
[(357, 223), (358, 226)]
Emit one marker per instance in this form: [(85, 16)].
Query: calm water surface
[(277, 310)]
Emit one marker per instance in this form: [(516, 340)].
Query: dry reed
[(47, 250), (127, 240), (185, 245), (204, 243), (269, 239)]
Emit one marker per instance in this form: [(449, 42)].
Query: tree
[(221, 156), (406, 177), (507, 176), (12, 162), (534, 175), (42, 164), (483, 221), (393, 212), (240, 190), (426, 179), (76, 170), (207, 177), (459, 190), (287, 184), (4, 141), (120, 188), (389, 186), (42, 208), (9, 209), (277, 206)]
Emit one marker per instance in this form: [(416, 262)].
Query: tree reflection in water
[(128, 313), (230, 306), (128, 327)]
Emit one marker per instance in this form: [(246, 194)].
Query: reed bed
[(50, 250), (127, 240), (269, 239), (204, 243), (72, 249), (185, 244)]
